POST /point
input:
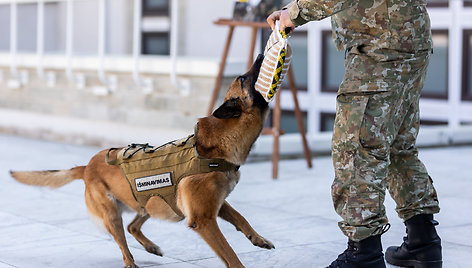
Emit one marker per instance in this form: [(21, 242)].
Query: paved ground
[(50, 228)]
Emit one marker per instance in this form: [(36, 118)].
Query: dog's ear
[(230, 109)]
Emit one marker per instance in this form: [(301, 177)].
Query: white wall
[(205, 39)]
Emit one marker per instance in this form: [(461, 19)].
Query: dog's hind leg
[(134, 228), (104, 206), (230, 215)]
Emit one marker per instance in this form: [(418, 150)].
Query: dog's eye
[(242, 79)]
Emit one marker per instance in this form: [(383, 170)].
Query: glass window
[(26, 36), (155, 44), (27, 20), (5, 27), (54, 27), (432, 123), (155, 7), (467, 3), (298, 42), (288, 122), (327, 121), (333, 64), (438, 3), (435, 85), (467, 66)]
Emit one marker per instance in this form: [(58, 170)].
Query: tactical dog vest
[(156, 171)]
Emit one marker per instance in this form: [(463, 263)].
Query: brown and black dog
[(228, 134)]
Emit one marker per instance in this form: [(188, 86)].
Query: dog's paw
[(260, 241), (131, 266), (154, 249)]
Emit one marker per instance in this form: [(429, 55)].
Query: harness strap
[(216, 164)]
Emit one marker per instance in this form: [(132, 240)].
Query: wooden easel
[(275, 131)]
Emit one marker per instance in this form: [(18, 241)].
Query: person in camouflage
[(388, 45)]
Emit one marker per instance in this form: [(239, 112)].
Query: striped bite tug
[(275, 65)]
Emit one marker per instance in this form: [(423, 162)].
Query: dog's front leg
[(230, 215), (200, 198), (208, 229)]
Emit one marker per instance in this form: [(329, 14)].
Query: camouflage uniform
[(388, 45)]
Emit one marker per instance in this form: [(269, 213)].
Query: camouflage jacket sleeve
[(303, 11)]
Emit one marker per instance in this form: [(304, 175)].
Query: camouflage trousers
[(373, 145)]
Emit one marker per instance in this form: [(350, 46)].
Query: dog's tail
[(51, 178)]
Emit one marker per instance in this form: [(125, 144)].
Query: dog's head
[(234, 126), (242, 97)]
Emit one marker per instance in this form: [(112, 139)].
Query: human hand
[(284, 18)]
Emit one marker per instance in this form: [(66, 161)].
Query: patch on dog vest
[(156, 171), (153, 182), (277, 57)]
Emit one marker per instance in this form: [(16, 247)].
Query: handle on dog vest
[(107, 157)]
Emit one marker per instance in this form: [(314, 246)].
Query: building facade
[(167, 53)]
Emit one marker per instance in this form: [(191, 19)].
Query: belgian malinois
[(227, 134)]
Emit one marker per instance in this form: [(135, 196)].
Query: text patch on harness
[(153, 182)]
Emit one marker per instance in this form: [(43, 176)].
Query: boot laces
[(348, 253)]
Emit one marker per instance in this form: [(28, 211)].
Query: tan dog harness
[(156, 171)]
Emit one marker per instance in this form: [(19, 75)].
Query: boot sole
[(416, 264)]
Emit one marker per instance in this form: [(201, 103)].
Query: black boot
[(421, 247), (366, 253)]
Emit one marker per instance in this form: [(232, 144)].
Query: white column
[(314, 38), (136, 40), (40, 38), (69, 37), (101, 40), (13, 37), (455, 65)]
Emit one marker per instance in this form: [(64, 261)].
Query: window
[(437, 3), (298, 42), (435, 85), (466, 66), (327, 121), (333, 64), (468, 3), (155, 7), (5, 27), (436, 78), (288, 122), (432, 123), (155, 43), (156, 27)]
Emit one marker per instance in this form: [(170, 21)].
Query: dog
[(228, 134)]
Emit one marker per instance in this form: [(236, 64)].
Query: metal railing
[(108, 81)]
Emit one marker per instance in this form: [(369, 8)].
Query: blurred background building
[(153, 63)]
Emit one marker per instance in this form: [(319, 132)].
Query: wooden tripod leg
[(219, 77), (276, 114), (252, 47), (298, 116)]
